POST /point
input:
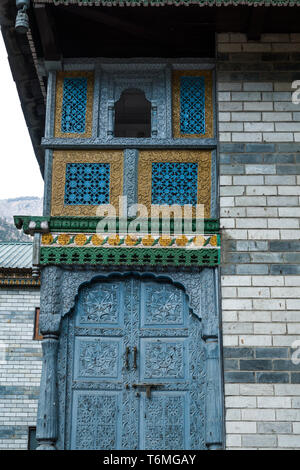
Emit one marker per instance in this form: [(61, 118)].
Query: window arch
[(132, 114)]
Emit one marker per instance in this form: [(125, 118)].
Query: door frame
[(59, 293)]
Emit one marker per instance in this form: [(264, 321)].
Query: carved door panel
[(171, 356), (96, 376), (135, 369)]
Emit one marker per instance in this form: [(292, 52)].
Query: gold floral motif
[(97, 240), (60, 160), (213, 240), (63, 239), (201, 157), (47, 239), (148, 240), (59, 101), (80, 239), (113, 240), (131, 240), (199, 240), (165, 241), (181, 241), (207, 74)]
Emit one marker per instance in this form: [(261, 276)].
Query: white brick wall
[(259, 204), (255, 206), (260, 310), (262, 416), (258, 111), (20, 366)]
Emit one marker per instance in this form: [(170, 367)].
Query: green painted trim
[(89, 224), (32, 224), (130, 256)]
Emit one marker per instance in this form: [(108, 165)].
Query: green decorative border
[(130, 256), (89, 224)]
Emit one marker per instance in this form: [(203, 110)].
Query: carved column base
[(46, 445), (214, 446)]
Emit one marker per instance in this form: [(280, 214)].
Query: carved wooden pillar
[(213, 434), (214, 407), (50, 319), (154, 119), (47, 410), (110, 120)]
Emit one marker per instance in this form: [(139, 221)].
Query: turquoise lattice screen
[(87, 183), (192, 105), (74, 105), (174, 183)]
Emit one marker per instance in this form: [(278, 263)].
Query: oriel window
[(132, 115)]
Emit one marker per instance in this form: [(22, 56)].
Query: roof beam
[(256, 23), (121, 25), (48, 35)]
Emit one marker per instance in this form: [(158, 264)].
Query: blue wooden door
[(136, 371)]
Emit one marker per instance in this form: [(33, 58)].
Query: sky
[(19, 170)]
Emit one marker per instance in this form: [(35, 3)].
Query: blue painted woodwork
[(174, 183), (94, 409), (87, 183), (192, 105), (104, 409), (74, 105), (109, 317)]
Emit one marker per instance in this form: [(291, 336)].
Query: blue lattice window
[(192, 105), (174, 183), (87, 183), (74, 105)]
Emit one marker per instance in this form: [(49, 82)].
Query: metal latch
[(147, 387)]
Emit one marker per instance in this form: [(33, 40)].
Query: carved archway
[(132, 114), (60, 288)]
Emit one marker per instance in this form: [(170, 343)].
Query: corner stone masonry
[(259, 135)]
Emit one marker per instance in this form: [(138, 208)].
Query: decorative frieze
[(116, 256), (130, 240)]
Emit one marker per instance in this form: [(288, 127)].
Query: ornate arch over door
[(136, 369), (107, 338)]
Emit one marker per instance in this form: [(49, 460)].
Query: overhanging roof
[(24, 72), (16, 255), (200, 3)]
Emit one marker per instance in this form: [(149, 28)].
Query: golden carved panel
[(201, 157), (60, 160), (209, 123), (60, 76)]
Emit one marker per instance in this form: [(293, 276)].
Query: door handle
[(135, 357), (127, 351), (148, 387)]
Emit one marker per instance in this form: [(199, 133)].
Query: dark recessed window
[(36, 334), (132, 115)]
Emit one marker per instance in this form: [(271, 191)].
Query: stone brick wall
[(259, 134), (20, 366)]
